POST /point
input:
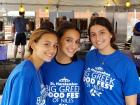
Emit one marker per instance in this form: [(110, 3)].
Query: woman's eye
[(55, 46), (78, 42), (102, 32), (92, 35), (47, 44), (68, 40)]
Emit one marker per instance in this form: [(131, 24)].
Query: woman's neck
[(63, 59), (107, 51), (36, 61)]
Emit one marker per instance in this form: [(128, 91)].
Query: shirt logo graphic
[(97, 80), (42, 99), (63, 92)]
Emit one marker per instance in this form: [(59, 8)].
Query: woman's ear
[(33, 45), (110, 36)]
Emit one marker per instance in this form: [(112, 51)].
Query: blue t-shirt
[(63, 82), (20, 24), (24, 86), (109, 78)]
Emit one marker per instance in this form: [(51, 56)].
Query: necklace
[(101, 58)]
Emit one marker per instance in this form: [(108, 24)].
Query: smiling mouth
[(49, 55), (99, 43), (71, 51)]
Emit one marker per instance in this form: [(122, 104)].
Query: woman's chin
[(48, 59)]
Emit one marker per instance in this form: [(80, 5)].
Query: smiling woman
[(63, 77), (110, 76), (25, 80)]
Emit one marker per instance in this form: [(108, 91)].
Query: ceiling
[(63, 4), (69, 2)]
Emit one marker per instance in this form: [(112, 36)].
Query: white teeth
[(49, 55), (71, 51), (99, 42)]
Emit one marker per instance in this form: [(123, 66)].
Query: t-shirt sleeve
[(17, 90), (131, 83)]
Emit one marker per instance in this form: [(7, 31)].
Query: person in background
[(94, 15), (64, 73), (110, 77), (63, 19), (20, 26), (47, 24), (25, 86), (135, 46)]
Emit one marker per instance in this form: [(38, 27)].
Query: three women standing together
[(108, 77)]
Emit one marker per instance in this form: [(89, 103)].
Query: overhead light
[(127, 4), (21, 8), (46, 9), (108, 4)]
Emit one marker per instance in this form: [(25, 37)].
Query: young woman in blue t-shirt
[(24, 85), (110, 77), (64, 73)]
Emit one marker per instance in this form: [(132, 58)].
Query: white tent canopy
[(67, 5)]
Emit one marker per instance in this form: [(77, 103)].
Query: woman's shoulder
[(91, 52), (25, 69), (26, 66), (80, 60), (124, 56)]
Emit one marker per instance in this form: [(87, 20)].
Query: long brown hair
[(105, 23)]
